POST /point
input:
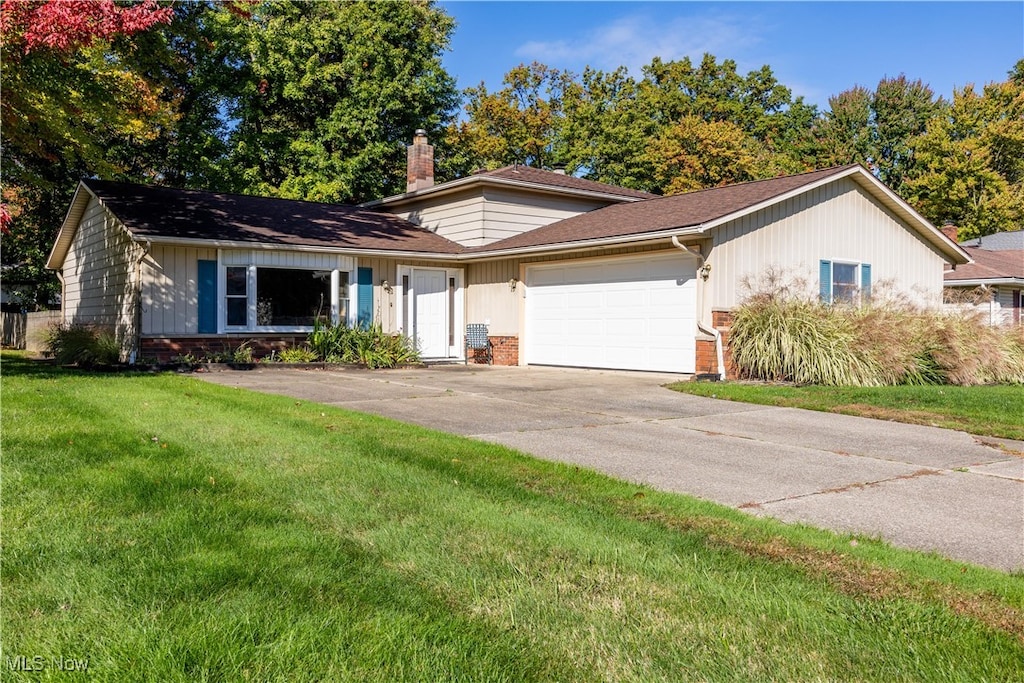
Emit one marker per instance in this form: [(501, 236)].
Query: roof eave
[(68, 227), (987, 281), (267, 246), (556, 247), (469, 181)]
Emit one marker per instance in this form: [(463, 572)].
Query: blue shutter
[(206, 291), (364, 278), (865, 282), (825, 281)]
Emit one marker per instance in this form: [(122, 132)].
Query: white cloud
[(635, 39)]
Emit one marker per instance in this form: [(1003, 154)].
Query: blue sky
[(817, 49)]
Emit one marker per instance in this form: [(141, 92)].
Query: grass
[(162, 528), (993, 410)]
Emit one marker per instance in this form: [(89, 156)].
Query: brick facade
[(166, 349), (505, 351), (707, 356)]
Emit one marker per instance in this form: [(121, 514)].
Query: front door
[(430, 312)]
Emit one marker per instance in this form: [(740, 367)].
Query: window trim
[(251, 263)]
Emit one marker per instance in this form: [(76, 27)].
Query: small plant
[(83, 345), (185, 359), (297, 354), (243, 354)]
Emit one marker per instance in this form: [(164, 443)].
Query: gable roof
[(525, 177), (702, 210), (989, 267), (164, 214)]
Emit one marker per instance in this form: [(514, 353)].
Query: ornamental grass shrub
[(782, 332), (82, 345)]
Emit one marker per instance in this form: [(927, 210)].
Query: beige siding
[(475, 218), (170, 296), (837, 222), (511, 212), (100, 276), (458, 217), (490, 298)]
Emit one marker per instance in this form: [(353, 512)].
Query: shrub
[(782, 332), (297, 354), (370, 346), (83, 345)]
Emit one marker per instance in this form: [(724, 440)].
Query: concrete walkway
[(917, 487)]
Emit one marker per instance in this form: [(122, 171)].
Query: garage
[(627, 313)]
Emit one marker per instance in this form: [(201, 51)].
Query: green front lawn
[(985, 410), (162, 528)]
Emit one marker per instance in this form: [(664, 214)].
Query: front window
[(287, 297), (284, 298)]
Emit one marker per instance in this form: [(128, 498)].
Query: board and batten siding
[(838, 221), (491, 299), (170, 294), (99, 274)]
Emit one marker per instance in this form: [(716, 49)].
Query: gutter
[(719, 353)]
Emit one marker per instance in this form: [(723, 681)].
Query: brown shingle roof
[(149, 211), (663, 213), (988, 265), (537, 176)]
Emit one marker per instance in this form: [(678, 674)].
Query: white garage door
[(627, 313)]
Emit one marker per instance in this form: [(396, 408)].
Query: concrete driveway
[(917, 487)]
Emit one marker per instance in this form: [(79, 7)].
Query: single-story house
[(993, 284), (563, 270)]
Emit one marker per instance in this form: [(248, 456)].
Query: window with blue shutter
[(844, 281), (206, 293)]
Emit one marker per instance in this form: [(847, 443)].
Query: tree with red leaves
[(73, 89), (66, 25)]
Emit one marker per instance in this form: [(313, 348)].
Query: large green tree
[(969, 162), (326, 95), (877, 127), (611, 127)]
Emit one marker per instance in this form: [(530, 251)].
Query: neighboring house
[(993, 285), (1001, 241), (564, 271)]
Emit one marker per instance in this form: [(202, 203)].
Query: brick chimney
[(421, 163), (950, 231)]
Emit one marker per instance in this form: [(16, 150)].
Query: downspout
[(720, 355), (137, 342)]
